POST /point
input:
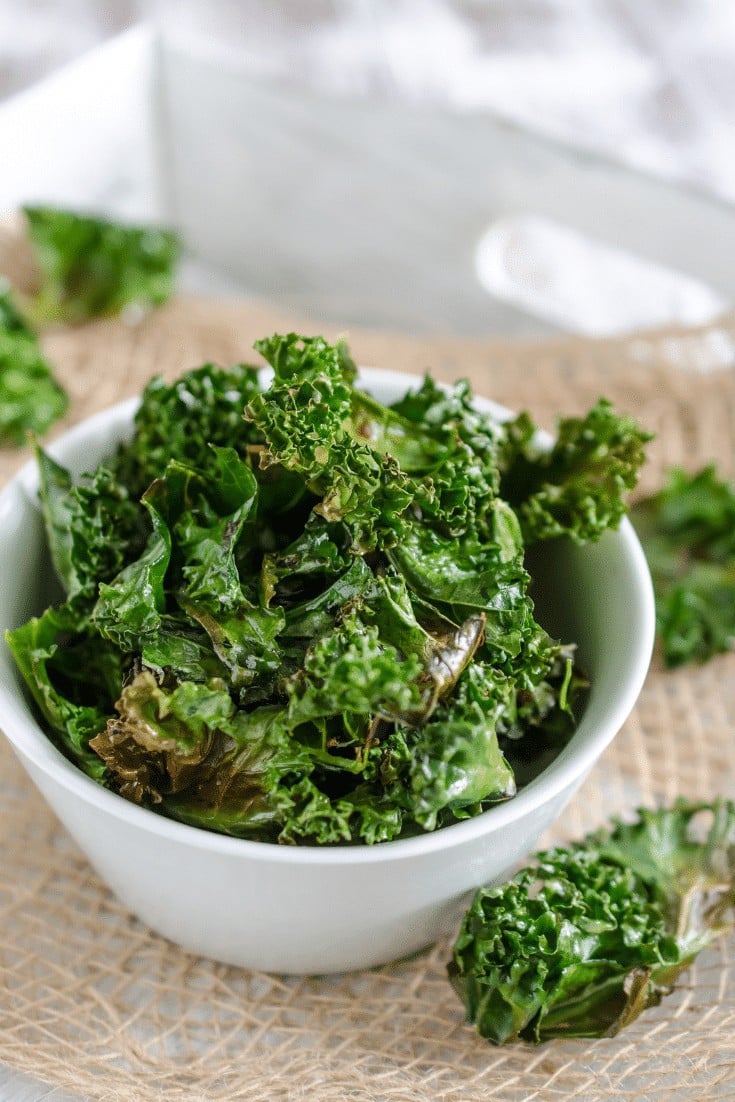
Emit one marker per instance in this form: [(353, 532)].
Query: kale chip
[(91, 267), (30, 398)]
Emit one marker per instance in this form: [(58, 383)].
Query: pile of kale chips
[(298, 615)]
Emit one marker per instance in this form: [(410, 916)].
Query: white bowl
[(311, 909)]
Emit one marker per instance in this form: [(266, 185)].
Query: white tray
[(356, 210)]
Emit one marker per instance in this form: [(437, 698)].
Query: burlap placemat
[(92, 1000)]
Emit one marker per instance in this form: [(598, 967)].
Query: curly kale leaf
[(352, 672), (577, 489), (304, 413), (189, 566), (91, 266), (389, 433), (688, 534), (461, 468), (129, 607), (210, 591), (30, 398), (447, 415), (192, 754), (541, 716), (181, 421), (579, 944), (305, 420)]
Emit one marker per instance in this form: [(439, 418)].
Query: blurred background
[(652, 81), (540, 164)]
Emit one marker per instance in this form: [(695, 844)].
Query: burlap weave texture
[(92, 1000)]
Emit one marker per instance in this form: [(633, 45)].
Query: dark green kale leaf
[(688, 534), (182, 651), (192, 754), (577, 488), (91, 266), (463, 474), (541, 716), (579, 944), (210, 591), (448, 416), (464, 576)]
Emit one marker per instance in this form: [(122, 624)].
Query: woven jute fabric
[(92, 1000)]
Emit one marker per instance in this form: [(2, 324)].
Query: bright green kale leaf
[(303, 415), (30, 398), (129, 607), (579, 944), (92, 527), (91, 266), (577, 488), (688, 534), (388, 433)]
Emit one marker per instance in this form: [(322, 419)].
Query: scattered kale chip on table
[(584, 940), (297, 615), (91, 267), (30, 398)]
